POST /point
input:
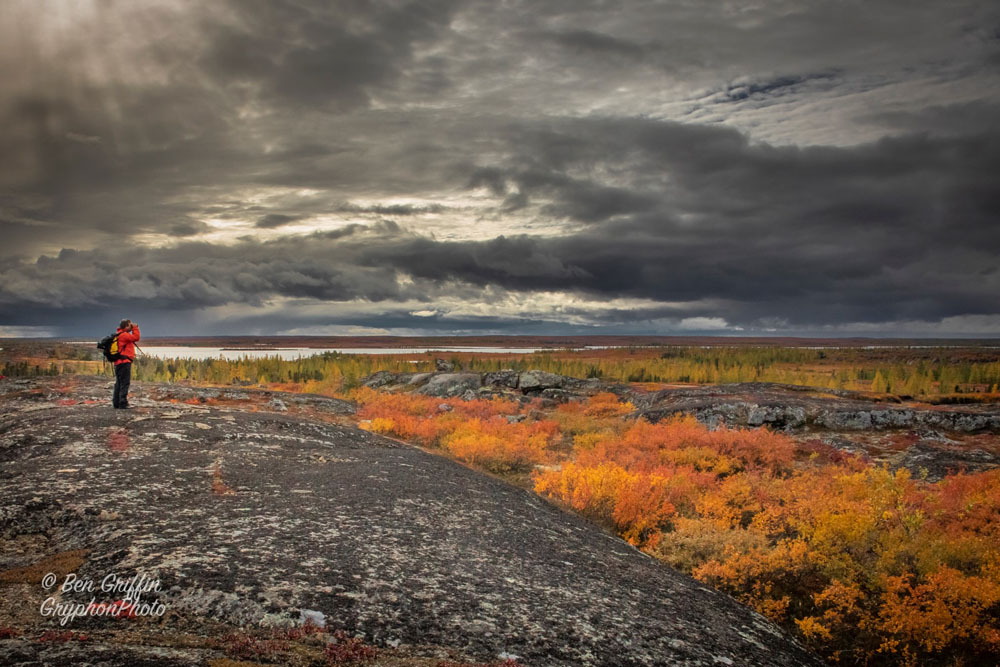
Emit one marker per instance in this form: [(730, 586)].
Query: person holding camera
[(128, 336)]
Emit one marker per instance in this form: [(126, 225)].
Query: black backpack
[(109, 346)]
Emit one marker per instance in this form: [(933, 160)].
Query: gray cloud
[(393, 209), (598, 44), (321, 55), (806, 165), (272, 220), (187, 228), (897, 230)]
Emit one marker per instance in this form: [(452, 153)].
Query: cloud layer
[(521, 167)]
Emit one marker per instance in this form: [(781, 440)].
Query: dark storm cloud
[(272, 220), (393, 209), (588, 41), (944, 120), (196, 275), (134, 156), (778, 86), (579, 199), (872, 233), (319, 53), (162, 122), (884, 232), (188, 228)]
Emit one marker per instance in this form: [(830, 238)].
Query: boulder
[(776, 416), (930, 458), (418, 378), (859, 420), (560, 395), (447, 385), (445, 366), (379, 379), (883, 419), (539, 380), (505, 378)]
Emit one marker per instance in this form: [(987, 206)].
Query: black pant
[(123, 378)]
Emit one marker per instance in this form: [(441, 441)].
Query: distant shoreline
[(266, 343)]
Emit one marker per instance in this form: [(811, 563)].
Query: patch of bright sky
[(320, 318), (491, 302), (26, 332), (470, 216)]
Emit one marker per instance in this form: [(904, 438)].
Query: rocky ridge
[(519, 385), (779, 406), (928, 440)]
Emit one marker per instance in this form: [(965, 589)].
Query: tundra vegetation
[(868, 565), (936, 374)]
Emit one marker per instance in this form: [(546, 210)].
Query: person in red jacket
[(128, 336)]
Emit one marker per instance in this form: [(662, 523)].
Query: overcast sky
[(571, 166)]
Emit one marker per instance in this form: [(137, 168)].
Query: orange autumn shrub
[(606, 405), (637, 504), (572, 420), (643, 505), (640, 478), (884, 568), (582, 441), (500, 446), (683, 439), (476, 431), (692, 542), (374, 403), (866, 563), (599, 413), (424, 419), (948, 609), (947, 619)]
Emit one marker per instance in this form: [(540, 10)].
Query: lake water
[(187, 352)]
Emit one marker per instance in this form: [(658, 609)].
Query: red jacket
[(126, 345)]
